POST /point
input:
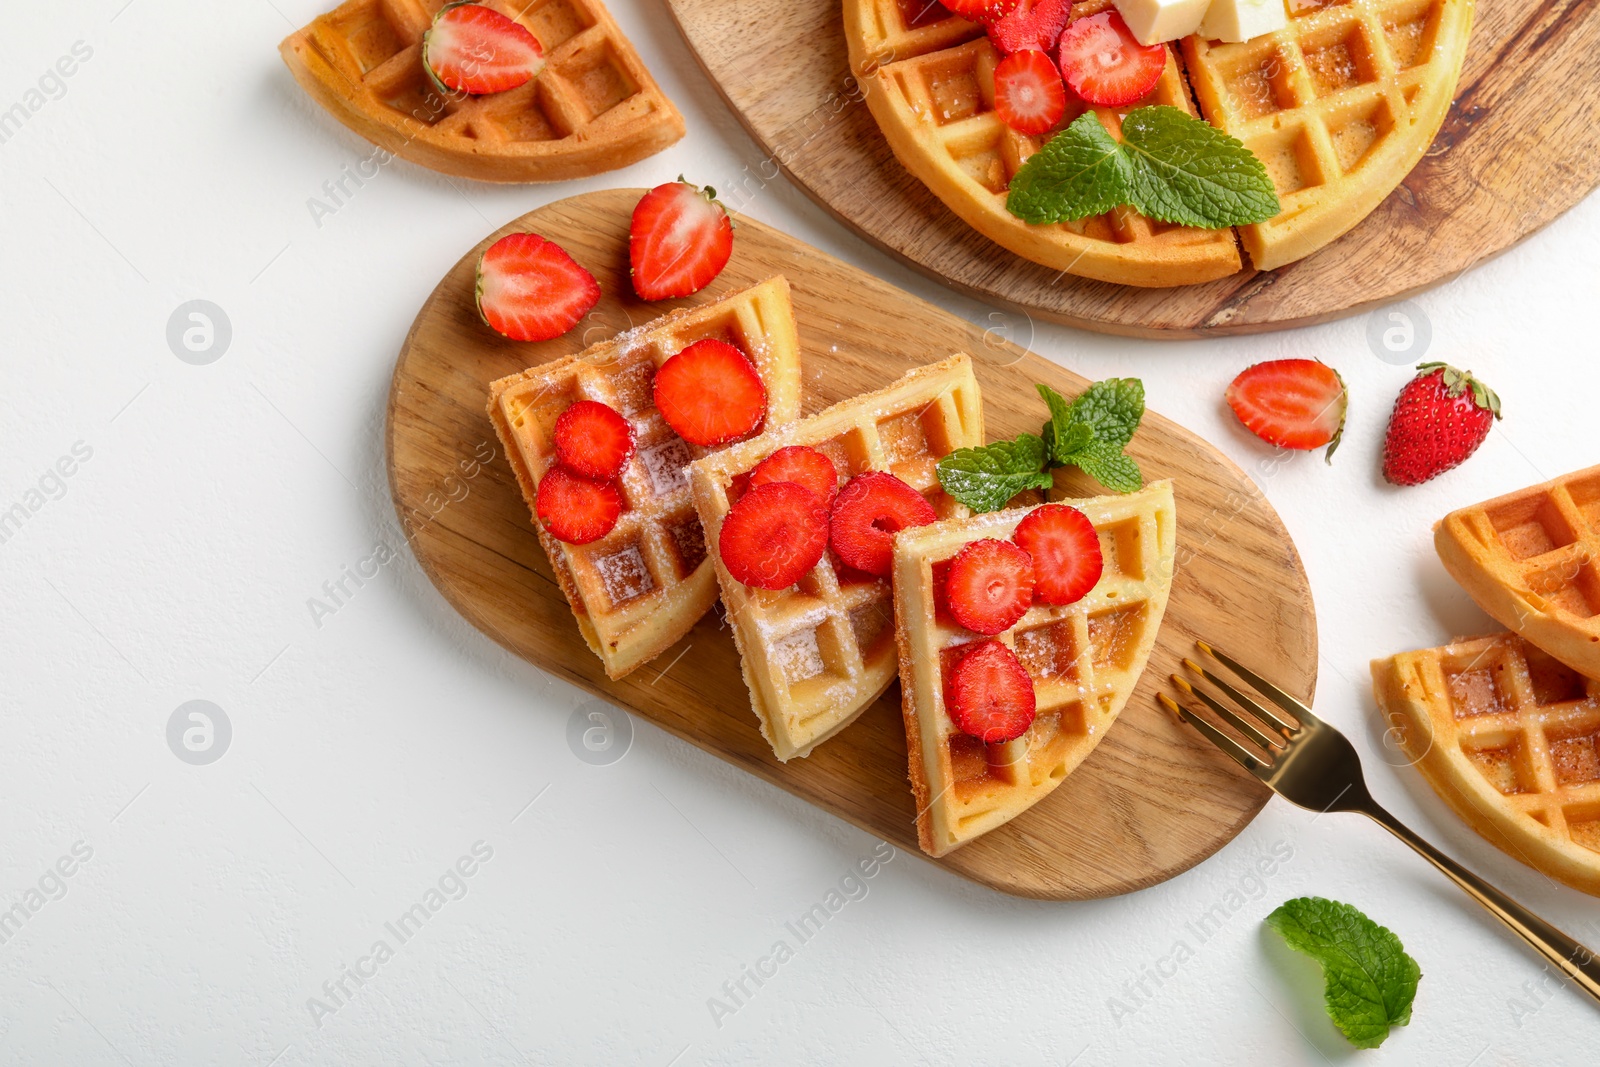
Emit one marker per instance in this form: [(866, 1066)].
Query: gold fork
[(1304, 760)]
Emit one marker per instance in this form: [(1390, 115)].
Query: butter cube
[(1240, 20), (1155, 21)]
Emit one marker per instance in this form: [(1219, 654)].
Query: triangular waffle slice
[(819, 652), (644, 585), (594, 107), (1085, 659), (929, 82), (1509, 737), (1339, 105), (1532, 560)]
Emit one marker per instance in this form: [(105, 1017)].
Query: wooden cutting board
[(1151, 801), (1520, 146)]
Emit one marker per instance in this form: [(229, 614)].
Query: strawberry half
[(593, 440), (803, 466), (867, 513), (1291, 403), (1065, 550), (710, 393), (475, 49), (773, 535), (1032, 24), (529, 289), (1028, 94), (575, 509), (679, 240), (989, 586), (1440, 418), (990, 695), (1103, 63)]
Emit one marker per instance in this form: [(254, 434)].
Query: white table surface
[(370, 752)]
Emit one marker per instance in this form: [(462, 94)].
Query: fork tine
[(1228, 715), (1255, 707), (1241, 755), (1261, 685)]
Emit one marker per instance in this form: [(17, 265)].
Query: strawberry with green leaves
[(1292, 403), (1439, 420)]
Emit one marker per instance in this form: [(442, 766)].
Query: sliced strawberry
[(679, 240), (867, 513), (989, 586), (1028, 94), (803, 466), (593, 440), (529, 289), (1066, 553), (980, 10), (1032, 24), (575, 509), (1291, 403), (475, 49), (1103, 64), (710, 393), (773, 535), (989, 694)]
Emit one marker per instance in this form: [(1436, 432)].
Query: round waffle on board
[(1339, 106), (593, 108)]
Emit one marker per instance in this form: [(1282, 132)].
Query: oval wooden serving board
[(1150, 802), (1520, 146)]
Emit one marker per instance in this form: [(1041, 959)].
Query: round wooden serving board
[(1151, 801), (1520, 146)]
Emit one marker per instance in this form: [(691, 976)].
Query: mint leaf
[(1371, 982), (1111, 408), (1081, 171), (1185, 170), (1110, 466), (1062, 436), (985, 478)]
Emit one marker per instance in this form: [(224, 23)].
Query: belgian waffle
[(930, 85), (1507, 736), (1085, 659), (816, 654), (1339, 106), (644, 585), (1532, 560), (594, 107)]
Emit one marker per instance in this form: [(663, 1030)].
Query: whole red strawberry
[(1440, 418)]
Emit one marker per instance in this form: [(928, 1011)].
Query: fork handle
[(1574, 960)]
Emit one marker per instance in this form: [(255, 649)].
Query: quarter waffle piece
[(1339, 105), (1085, 659), (929, 82), (1507, 736), (1531, 559), (816, 654), (594, 107), (644, 585)]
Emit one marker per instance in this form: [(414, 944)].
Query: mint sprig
[(1370, 980), (1169, 166), (1088, 433)]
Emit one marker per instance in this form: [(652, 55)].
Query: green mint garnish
[(1082, 171), (985, 478), (1169, 166), (1088, 433), (1371, 981)]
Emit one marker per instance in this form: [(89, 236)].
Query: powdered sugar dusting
[(665, 463), (798, 656), (624, 575)]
